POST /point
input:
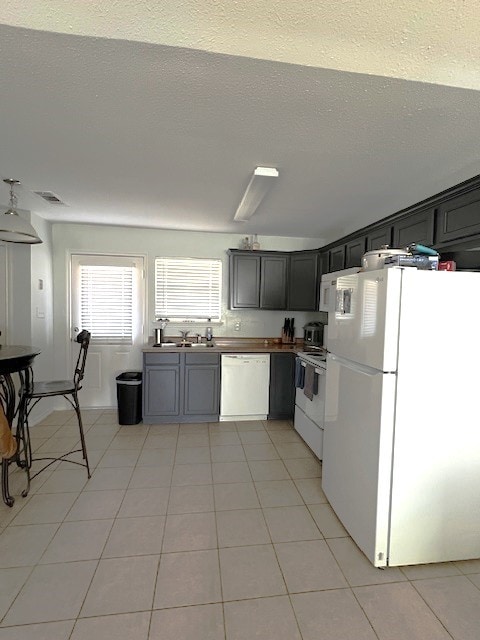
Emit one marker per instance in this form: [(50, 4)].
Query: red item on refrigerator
[(447, 265)]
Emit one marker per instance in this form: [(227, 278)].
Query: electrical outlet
[(237, 325)]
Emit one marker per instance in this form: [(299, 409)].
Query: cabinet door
[(162, 391), (354, 251), (202, 390), (324, 263), (459, 217), (282, 386), (337, 258), (244, 282), (379, 238), (417, 227), (273, 279), (303, 282)]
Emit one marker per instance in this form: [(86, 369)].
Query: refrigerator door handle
[(355, 366)]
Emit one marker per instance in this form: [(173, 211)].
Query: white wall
[(152, 243), (41, 299), (29, 310)]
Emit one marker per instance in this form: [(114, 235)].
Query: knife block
[(286, 339)]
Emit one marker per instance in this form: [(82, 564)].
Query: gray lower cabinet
[(202, 386), (282, 386), (181, 387)]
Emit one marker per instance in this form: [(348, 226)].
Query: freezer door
[(364, 326), (357, 452)]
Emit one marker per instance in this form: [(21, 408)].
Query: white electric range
[(310, 414)]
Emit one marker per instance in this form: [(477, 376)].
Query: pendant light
[(13, 228)]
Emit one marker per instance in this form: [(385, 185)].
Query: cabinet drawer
[(202, 358), (162, 358)]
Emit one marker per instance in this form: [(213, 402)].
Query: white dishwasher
[(244, 387)]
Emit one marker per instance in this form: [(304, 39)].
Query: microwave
[(328, 288)]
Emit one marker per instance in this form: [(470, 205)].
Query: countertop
[(226, 345)]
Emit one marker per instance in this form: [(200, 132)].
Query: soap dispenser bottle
[(208, 333)]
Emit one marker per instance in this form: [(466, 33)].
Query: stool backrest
[(84, 339)]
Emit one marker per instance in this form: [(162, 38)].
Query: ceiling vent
[(50, 197)]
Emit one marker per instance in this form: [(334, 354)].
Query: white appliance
[(328, 285), (310, 414), (244, 388), (401, 459)]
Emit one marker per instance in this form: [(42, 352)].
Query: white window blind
[(106, 303), (188, 288)]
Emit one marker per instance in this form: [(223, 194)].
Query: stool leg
[(7, 498), (7, 395), (23, 438), (80, 428)]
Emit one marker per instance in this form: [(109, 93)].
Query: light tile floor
[(214, 531)]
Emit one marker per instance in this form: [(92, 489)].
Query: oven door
[(310, 415)]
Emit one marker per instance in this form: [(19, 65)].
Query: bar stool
[(69, 390)]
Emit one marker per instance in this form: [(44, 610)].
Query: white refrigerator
[(401, 457)]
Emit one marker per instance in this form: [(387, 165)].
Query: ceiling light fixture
[(13, 228), (259, 184)]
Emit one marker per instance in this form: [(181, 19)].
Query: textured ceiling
[(135, 133), (427, 40)]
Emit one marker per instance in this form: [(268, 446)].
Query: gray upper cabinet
[(244, 281), (449, 221), (258, 280), (324, 263), (354, 251), (337, 258), (459, 217), (273, 281), (379, 238), (303, 281), (417, 227)]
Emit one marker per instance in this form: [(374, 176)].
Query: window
[(188, 288), (105, 293)]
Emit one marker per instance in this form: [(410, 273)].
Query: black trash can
[(129, 397)]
